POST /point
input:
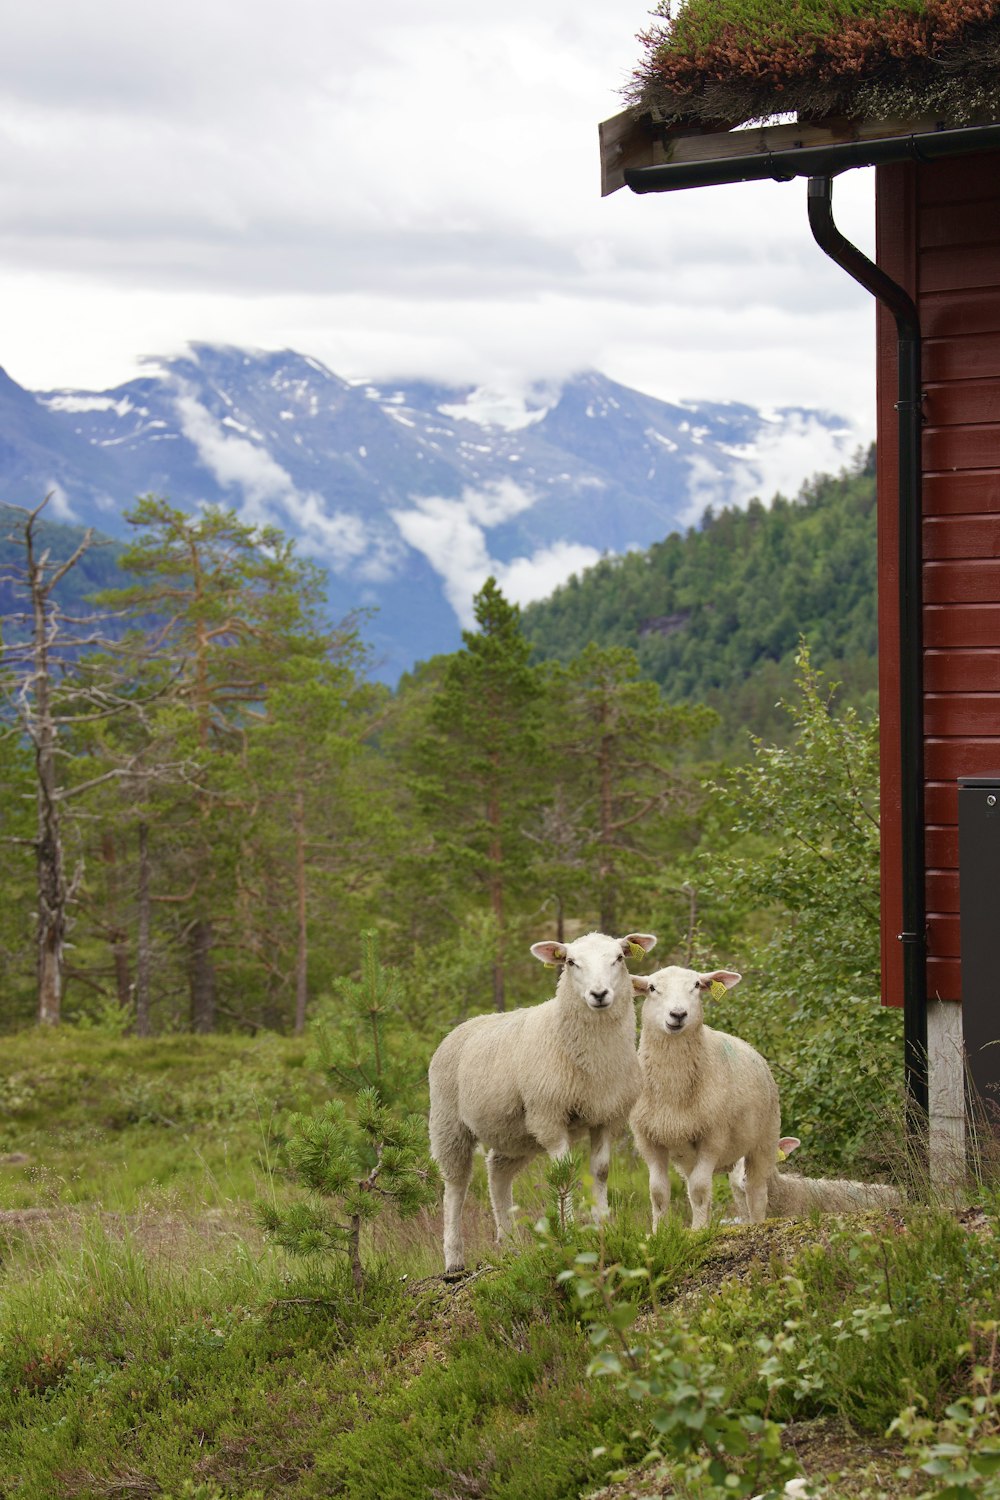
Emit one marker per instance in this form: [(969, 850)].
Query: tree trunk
[(143, 957), (302, 941), (357, 1270), (116, 929), (496, 903), (202, 978), (52, 894), (606, 864), (51, 917)]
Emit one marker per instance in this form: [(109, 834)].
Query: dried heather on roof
[(730, 61)]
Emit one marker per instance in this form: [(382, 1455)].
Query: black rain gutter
[(911, 636), (820, 164), (813, 161)]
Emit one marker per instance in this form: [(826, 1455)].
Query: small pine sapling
[(353, 1170), (351, 1044), (562, 1177)]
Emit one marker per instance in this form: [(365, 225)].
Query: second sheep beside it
[(790, 1196), (707, 1100)]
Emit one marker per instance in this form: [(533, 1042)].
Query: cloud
[(337, 538), (451, 535), (529, 578), (60, 508), (208, 173), (779, 461)]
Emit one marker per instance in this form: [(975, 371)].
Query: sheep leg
[(737, 1181), (755, 1187), (699, 1186), (453, 1147), (600, 1165), (455, 1190), (658, 1162), (500, 1172)]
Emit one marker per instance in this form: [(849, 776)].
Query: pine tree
[(234, 612), (353, 1170), (481, 760), (617, 744)]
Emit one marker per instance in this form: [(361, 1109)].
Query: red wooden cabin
[(937, 278)]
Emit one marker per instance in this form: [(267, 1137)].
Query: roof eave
[(639, 152)]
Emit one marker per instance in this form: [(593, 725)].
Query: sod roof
[(726, 62)]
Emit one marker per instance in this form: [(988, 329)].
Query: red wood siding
[(938, 232)]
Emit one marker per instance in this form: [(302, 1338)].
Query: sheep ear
[(726, 977), (787, 1145), (549, 953), (640, 984), (638, 944)]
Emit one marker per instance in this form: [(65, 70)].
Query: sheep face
[(675, 997), (594, 967)]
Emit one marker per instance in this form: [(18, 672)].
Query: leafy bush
[(804, 877)]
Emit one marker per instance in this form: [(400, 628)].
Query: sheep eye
[(651, 990), (571, 963), (620, 959)]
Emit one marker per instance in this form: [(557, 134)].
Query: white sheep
[(790, 1196), (538, 1079), (707, 1098)]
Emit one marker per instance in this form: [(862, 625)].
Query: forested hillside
[(201, 816), (715, 615)]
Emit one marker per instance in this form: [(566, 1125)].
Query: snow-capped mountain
[(409, 494)]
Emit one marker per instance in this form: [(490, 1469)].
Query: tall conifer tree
[(482, 759)]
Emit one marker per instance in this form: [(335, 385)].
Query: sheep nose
[(678, 1015), (599, 995)]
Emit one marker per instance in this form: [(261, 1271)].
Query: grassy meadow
[(154, 1343)]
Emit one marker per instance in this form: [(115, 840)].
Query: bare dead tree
[(43, 699)]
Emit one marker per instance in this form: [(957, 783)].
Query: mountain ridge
[(409, 492)]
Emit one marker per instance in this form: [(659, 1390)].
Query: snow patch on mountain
[(407, 492)]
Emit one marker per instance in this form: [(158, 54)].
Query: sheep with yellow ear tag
[(707, 1100)]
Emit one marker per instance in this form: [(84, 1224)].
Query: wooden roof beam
[(629, 141)]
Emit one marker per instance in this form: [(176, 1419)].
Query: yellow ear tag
[(636, 950), (782, 1155), (717, 991)]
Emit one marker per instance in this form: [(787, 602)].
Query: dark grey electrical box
[(979, 919)]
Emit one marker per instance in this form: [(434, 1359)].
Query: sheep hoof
[(453, 1273)]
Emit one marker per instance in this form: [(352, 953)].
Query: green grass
[(153, 1343), (107, 1121), (766, 23)]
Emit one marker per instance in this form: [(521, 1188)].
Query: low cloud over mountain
[(410, 495)]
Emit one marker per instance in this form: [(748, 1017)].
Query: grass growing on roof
[(727, 61), (704, 24)]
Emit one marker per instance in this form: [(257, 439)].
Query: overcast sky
[(397, 190)]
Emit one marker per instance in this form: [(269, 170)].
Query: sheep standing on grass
[(538, 1079), (790, 1196), (707, 1099)]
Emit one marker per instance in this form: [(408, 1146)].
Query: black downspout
[(911, 644)]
